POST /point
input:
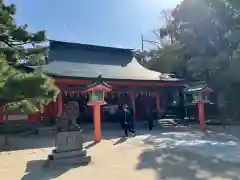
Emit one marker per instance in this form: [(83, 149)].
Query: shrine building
[(74, 66)]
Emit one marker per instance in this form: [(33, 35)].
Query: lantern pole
[(201, 115), (97, 122)]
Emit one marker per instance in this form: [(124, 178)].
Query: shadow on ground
[(47, 141), (92, 144), (120, 141), (173, 162), (39, 170), (21, 143)]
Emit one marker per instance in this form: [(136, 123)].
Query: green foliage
[(14, 39), (207, 35), (175, 62), (27, 92)]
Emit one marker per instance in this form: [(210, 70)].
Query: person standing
[(181, 106), (128, 121), (154, 117), (121, 119), (149, 118), (131, 121)]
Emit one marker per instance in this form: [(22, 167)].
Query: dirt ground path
[(146, 157)]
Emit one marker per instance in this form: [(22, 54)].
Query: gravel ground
[(174, 154)]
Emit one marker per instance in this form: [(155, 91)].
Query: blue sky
[(117, 23)]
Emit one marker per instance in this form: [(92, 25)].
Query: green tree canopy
[(207, 35), (18, 89)]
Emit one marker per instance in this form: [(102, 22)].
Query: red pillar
[(201, 116), (51, 109), (97, 122), (56, 107), (59, 104), (132, 96), (158, 103)]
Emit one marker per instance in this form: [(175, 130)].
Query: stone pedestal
[(69, 150)]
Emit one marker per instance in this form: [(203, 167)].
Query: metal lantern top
[(97, 90), (200, 93)]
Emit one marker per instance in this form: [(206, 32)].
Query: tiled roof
[(89, 61)]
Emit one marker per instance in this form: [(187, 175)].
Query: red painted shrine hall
[(74, 66)]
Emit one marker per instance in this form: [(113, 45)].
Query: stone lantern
[(96, 91)]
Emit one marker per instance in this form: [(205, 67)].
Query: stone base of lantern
[(69, 150)]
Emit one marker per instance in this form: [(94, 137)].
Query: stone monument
[(69, 140)]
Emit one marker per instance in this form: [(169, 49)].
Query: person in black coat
[(121, 116), (151, 117), (180, 107), (128, 120), (131, 121)]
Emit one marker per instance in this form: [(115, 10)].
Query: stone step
[(167, 123), (69, 154), (69, 161)]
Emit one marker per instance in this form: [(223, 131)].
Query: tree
[(207, 34), (168, 56), (26, 92)]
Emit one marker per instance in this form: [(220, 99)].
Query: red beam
[(62, 82)]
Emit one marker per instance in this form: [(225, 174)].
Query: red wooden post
[(132, 96), (97, 122), (59, 104), (201, 116), (158, 103)]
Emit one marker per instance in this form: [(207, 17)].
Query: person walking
[(121, 117), (128, 121)]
